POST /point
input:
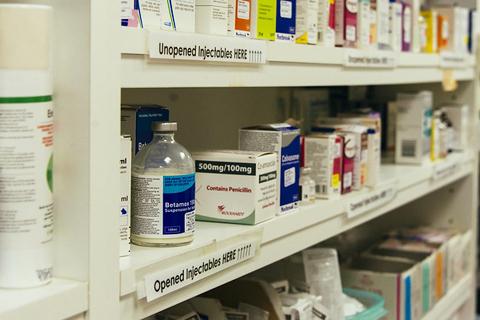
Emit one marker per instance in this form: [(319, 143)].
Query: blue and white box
[(285, 141), (136, 121), (285, 29)]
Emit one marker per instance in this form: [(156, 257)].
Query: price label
[(197, 47), (443, 170), (450, 60), (369, 59), (166, 281), (371, 200)]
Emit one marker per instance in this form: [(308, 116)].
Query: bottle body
[(163, 194)]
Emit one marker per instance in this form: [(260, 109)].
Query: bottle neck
[(164, 137)]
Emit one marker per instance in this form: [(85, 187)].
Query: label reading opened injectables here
[(369, 59), (163, 206), (369, 201), (178, 46), (161, 283)]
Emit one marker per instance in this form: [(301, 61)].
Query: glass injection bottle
[(163, 191)]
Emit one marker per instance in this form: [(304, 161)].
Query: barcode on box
[(408, 148)]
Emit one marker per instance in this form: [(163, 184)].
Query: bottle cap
[(164, 126)]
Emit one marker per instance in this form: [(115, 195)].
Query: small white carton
[(323, 154), (283, 139), (414, 127), (235, 186), (125, 187), (458, 114), (211, 16)]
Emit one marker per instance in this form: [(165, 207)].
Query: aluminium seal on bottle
[(164, 126)]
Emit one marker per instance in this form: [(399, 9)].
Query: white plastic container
[(26, 148)]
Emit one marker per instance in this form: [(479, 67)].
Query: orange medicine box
[(442, 32), (239, 17)]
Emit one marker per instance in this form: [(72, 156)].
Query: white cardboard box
[(414, 124), (235, 186), (125, 187)]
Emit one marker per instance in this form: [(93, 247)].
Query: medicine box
[(395, 30), (239, 17), (211, 16), (178, 15), (286, 15), (363, 24), (235, 186), (458, 115), (125, 184), (263, 19), (136, 121), (383, 23), (285, 141), (346, 23), (326, 23), (360, 134), (306, 28), (323, 154), (457, 18), (430, 44), (397, 280), (414, 126), (407, 18), (373, 123)]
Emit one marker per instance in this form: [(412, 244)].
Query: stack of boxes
[(397, 25)]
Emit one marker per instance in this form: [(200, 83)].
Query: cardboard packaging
[(414, 126), (363, 24), (395, 30), (178, 15), (211, 16), (430, 44), (306, 28), (442, 33), (457, 18), (397, 280), (407, 19), (324, 157), (286, 16), (239, 18), (235, 186), (326, 23), (348, 162), (125, 187), (285, 141), (346, 23), (383, 24), (136, 121), (458, 114), (422, 254), (263, 19)]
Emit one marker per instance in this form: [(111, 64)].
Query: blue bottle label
[(163, 206)]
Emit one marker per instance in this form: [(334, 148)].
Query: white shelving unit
[(98, 65)]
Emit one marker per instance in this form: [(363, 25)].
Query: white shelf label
[(161, 283), (453, 60), (371, 200), (196, 47), (369, 59), (443, 170)]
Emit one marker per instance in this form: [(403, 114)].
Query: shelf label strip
[(369, 59), (444, 170), (364, 203), (184, 46), (161, 283), (451, 60)]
